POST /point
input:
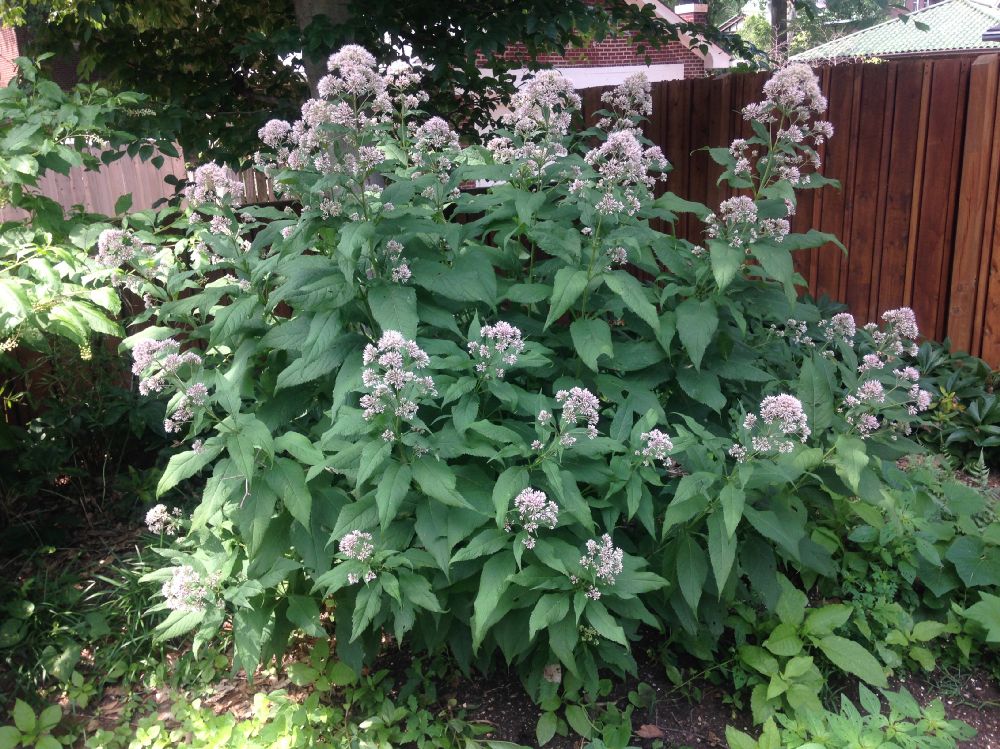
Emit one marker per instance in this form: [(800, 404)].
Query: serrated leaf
[(566, 289), (852, 658), (592, 339), (631, 291), (697, 321)]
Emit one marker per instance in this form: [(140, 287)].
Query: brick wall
[(9, 49), (621, 50), (14, 43)]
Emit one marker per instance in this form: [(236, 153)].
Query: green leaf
[(13, 299), (492, 584), (977, 564), (509, 484), (776, 263), (417, 590), (577, 718), (851, 657), (849, 459), (437, 481), (545, 729), (287, 479), (366, 606), (692, 570), (986, 613), (10, 737), (784, 641), (185, 465), (123, 204), (739, 740), (592, 339), (816, 393), (470, 279), (733, 499), (721, 549), (394, 307), (703, 387), (373, 456), (726, 261), (604, 623), (697, 321), (49, 718), (303, 612), (24, 717), (551, 608), (631, 291), (825, 620), (392, 489), (566, 289), (299, 447), (690, 498)]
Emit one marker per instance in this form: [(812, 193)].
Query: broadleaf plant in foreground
[(521, 423)]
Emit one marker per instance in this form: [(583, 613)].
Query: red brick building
[(14, 44), (609, 62)]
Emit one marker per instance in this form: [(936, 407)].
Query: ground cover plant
[(524, 427)]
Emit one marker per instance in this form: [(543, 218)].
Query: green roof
[(953, 25)]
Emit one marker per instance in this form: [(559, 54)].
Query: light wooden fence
[(98, 190), (917, 151)]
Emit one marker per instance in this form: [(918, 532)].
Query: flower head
[(358, 545)]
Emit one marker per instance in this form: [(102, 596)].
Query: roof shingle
[(953, 25)]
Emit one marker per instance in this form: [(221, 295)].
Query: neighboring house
[(945, 28), (611, 61), (14, 43)]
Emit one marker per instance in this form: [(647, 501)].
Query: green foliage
[(31, 730), (232, 75), (461, 419), (906, 724)]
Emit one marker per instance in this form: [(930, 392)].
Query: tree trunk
[(779, 29), (305, 10)]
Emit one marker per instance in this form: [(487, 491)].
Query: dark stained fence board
[(916, 149)]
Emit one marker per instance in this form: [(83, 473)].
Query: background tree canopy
[(220, 69)]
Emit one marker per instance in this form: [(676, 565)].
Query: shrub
[(58, 299), (523, 422)]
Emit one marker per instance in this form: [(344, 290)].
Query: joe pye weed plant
[(461, 419)]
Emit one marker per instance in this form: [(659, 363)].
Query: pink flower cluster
[(738, 223), (604, 560), (898, 336), (781, 417), (115, 247), (433, 138), (212, 183), (497, 349), (792, 99), (534, 510), (360, 547), (869, 407), (623, 168), (840, 327), (629, 101), (579, 404), (543, 106), (160, 520), (187, 591), (390, 376), (195, 395), (399, 269), (656, 446), (165, 354)]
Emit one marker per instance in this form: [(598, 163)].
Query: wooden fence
[(97, 191), (916, 148)]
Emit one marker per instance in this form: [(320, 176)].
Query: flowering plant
[(461, 417)]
